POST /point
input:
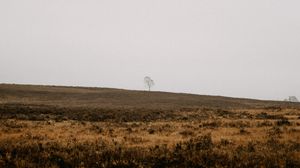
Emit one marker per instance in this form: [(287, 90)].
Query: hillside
[(113, 98), (102, 104)]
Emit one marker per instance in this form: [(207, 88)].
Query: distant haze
[(239, 48)]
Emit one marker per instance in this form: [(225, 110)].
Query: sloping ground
[(103, 104), (114, 98)]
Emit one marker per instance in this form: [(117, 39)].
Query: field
[(55, 126)]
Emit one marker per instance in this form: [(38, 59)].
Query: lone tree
[(148, 82)]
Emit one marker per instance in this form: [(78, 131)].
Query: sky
[(236, 48)]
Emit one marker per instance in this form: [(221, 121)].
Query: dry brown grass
[(229, 133)]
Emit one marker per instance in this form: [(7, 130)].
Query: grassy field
[(51, 126)]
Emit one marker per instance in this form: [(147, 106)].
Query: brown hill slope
[(105, 97), (40, 102)]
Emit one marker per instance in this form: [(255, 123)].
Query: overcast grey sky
[(239, 48)]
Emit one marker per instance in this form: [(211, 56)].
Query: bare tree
[(148, 82)]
